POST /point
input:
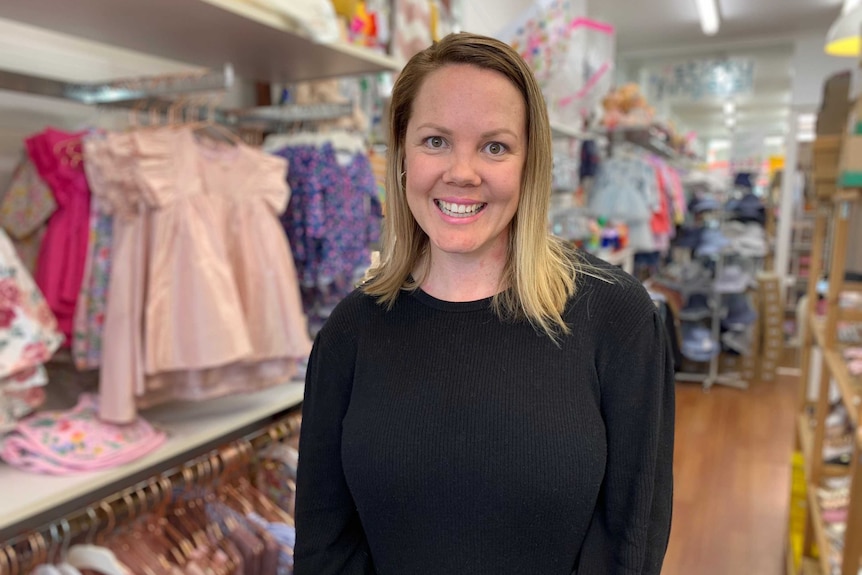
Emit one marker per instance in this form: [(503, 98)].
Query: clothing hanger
[(130, 542), (5, 562), (209, 127), (96, 557), (66, 540), (149, 526)]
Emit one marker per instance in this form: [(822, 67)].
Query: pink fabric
[(65, 442), (203, 299), (660, 221), (60, 269)]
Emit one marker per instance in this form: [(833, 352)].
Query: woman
[(489, 402)]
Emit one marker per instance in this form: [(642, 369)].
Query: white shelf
[(29, 499), (261, 45), (563, 131)]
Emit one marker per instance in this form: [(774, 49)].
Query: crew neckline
[(451, 306)]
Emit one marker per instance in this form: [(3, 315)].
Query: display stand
[(30, 500), (259, 45), (821, 334)]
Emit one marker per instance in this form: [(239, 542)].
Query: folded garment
[(697, 343), (732, 279), (76, 440), (740, 314), (696, 308)]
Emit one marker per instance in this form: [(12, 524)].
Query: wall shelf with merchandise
[(260, 46), (31, 500)]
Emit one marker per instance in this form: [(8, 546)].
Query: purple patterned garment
[(333, 217)]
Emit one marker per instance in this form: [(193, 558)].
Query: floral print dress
[(28, 338)]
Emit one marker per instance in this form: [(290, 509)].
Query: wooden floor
[(732, 474)]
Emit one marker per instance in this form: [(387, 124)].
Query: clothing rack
[(122, 91), (160, 93), (22, 553)]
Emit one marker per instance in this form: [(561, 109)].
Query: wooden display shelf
[(805, 433), (816, 518), (834, 359), (30, 500), (811, 567), (260, 44), (846, 383)]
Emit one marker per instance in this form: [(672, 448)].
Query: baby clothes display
[(643, 192), (197, 255), (76, 440), (58, 159)]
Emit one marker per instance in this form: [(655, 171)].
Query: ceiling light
[(729, 108), (843, 37), (708, 10), (730, 122)]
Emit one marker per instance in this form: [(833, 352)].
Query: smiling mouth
[(459, 210)]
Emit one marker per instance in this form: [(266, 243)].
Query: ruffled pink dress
[(203, 298)]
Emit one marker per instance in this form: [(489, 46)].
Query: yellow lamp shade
[(843, 38)]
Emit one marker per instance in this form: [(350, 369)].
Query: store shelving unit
[(30, 500), (257, 45), (831, 224), (207, 33)]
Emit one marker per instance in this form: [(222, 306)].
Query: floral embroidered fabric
[(28, 202), (76, 440)]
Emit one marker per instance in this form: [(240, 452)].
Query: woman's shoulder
[(350, 314), (606, 292)]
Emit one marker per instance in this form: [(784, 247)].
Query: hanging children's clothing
[(332, 219), (626, 190), (24, 211), (58, 159), (203, 298), (28, 338)]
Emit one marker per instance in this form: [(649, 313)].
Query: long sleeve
[(629, 532), (330, 538)]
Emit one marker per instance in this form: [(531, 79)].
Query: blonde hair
[(540, 270)]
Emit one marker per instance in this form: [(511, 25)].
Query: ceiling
[(673, 24), (762, 30), (654, 33)]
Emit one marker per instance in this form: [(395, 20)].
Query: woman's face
[(465, 148)]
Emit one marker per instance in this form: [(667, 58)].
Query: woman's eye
[(435, 142), (495, 148)]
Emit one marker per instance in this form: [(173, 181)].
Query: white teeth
[(458, 210)]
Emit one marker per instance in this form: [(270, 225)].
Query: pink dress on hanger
[(193, 317), (60, 269), (253, 186), (203, 298), (121, 376)]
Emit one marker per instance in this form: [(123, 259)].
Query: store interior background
[(734, 447)]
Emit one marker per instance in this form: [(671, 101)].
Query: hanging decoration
[(571, 56)]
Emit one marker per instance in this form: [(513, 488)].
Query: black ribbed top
[(437, 439)]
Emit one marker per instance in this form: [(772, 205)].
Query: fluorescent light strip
[(708, 10)]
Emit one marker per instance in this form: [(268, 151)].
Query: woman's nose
[(461, 171)]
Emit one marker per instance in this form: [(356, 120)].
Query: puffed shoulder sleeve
[(630, 528), (330, 539), (271, 182)]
